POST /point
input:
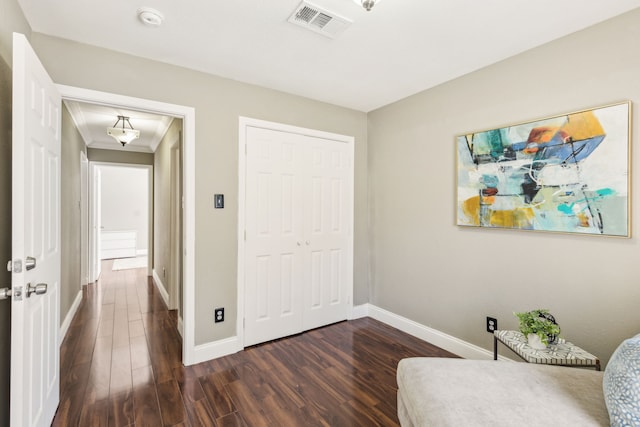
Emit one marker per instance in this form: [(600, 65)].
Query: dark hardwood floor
[(121, 366)]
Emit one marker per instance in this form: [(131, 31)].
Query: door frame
[(84, 219), (175, 222), (244, 123), (188, 115)]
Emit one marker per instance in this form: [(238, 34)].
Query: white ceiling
[(399, 48)]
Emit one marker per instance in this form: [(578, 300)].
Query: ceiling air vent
[(319, 20)]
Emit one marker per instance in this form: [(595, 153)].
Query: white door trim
[(244, 123), (84, 219), (188, 116), (174, 224)]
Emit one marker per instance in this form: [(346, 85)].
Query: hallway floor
[(121, 366)]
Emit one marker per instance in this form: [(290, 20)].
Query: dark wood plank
[(200, 414), (121, 410), (121, 366), (170, 402), (145, 406), (214, 389)]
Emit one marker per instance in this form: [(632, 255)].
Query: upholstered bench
[(472, 393)]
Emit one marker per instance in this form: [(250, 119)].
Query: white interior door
[(327, 266), (84, 219), (35, 319), (95, 222), (176, 231), (298, 246), (274, 236)]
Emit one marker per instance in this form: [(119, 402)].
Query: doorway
[(187, 114), (125, 214)]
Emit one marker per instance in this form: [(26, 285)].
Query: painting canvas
[(568, 173)]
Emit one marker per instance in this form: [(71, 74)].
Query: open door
[(35, 264), (95, 222), (84, 219)]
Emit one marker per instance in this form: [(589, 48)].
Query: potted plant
[(539, 327)]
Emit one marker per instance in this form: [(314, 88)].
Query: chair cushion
[(621, 384)]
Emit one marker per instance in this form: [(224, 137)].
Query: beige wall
[(72, 145), (162, 204), (11, 19), (218, 102), (450, 278), (115, 156)]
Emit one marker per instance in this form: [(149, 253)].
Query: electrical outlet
[(492, 324), (218, 315)]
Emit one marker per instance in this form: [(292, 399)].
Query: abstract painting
[(568, 173)]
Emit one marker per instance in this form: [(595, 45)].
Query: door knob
[(39, 289), (30, 263)]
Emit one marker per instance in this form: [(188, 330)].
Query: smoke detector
[(150, 17), (319, 20)]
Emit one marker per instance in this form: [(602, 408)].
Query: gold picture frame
[(568, 173)]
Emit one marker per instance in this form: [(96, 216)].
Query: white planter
[(535, 342)]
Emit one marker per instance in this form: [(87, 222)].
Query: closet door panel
[(273, 247), (327, 233)]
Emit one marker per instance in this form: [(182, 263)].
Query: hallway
[(121, 336), (121, 366)]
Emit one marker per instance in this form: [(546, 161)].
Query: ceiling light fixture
[(367, 4), (150, 17), (123, 135)]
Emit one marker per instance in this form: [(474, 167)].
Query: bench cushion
[(458, 392)]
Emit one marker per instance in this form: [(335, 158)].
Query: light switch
[(218, 201)]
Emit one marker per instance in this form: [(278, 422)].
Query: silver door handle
[(30, 263), (5, 293), (39, 289)]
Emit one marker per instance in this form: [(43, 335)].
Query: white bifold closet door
[(299, 202)]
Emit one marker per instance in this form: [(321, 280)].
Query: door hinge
[(245, 235)]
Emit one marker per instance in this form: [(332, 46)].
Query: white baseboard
[(448, 342), (224, 347), (64, 327), (231, 345), (161, 288), (359, 311), (215, 349), (180, 327)]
